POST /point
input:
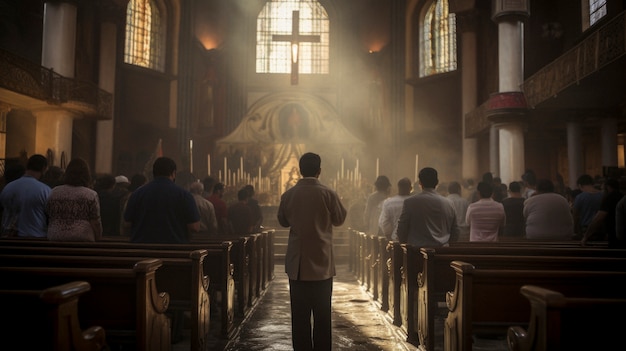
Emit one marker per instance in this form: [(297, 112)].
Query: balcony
[(29, 86)]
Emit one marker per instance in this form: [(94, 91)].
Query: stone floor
[(358, 323)]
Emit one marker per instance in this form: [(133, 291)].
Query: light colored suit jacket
[(311, 210)]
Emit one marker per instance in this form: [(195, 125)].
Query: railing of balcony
[(605, 45), (25, 77)]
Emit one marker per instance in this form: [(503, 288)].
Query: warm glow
[(294, 53)]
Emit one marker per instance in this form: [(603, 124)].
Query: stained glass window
[(144, 35), (437, 40)]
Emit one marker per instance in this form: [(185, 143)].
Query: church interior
[(238, 89)]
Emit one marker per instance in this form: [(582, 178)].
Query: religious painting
[(293, 123)]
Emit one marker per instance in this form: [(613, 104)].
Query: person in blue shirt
[(24, 202), (161, 211)]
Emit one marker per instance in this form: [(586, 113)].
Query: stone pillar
[(508, 108), (54, 127), (511, 143), (574, 153), (609, 142), (59, 37), (466, 26), (104, 129), (494, 152), (54, 132)]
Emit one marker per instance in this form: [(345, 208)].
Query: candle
[(342, 168), (191, 155), (208, 164), (357, 165), (241, 163), (220, 176), (416, 165), (225, 168)]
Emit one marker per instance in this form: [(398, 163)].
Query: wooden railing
[(27, 78)]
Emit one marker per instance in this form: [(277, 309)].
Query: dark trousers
[(311, 298)]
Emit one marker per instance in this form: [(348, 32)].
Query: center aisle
[(358, 324)]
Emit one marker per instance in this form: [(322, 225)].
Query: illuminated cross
[(295, 38)]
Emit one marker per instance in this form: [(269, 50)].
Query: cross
[(295, 38)]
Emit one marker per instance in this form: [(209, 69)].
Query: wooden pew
[(488, 300), (216, 264), (396, 273), (47, 319), (124, 301), (437, 278), (557, 322), (383, 274), (181, 275), (413, 264)]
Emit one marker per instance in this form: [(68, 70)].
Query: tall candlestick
[(225, 169), (191, 155), (416, 166), (208, 164), (342, 168)]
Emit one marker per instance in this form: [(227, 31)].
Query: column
[(59, 37), (104, 129), (574, 153), (508, 108), (54, 131), (609, 142), (466, 26), (54, 127), (494, 152), (511, 144)]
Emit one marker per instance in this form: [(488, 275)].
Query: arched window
[(593, 11), (276, 19), (144, 35), (437, 39)]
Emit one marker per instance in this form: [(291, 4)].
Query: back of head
[(218, 187), (612, 183), (485, 189), (250, 189), (404, 186), (487, 177), (105, 182), (209, 183), (545, 186), (529, 177), (382, 183), (196, 188), (515, 187), (242, 194), (37, 163), (77, 173), (584, 179), (454, 188), (310, 164), (163, 167), (428, 177), (136, 181)]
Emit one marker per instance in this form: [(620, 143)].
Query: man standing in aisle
[(311, 210)]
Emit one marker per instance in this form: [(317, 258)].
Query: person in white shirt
[(392, 208), (485, 217), (460, 207)]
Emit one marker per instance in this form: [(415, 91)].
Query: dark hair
[(382, 183), (209, 183), (428, 177), (77, 173), (612, 182), (485, 189), (250, 189), (37, 163), (454, 188), (487, 177), (515, 187), (545, 186), (105, 181), (217, 187), (242, 194), (530, 177), (136, 181), (404, 186), (163, 167), (310, 164), (585, 179)]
